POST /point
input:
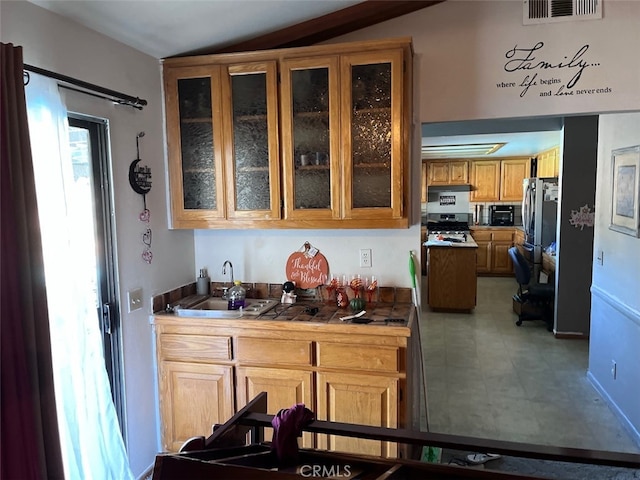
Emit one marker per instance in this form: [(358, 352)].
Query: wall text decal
[(547, 76)]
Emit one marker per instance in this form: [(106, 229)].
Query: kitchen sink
[(217, 308)]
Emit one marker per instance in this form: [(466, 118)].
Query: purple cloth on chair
[(287, 427)]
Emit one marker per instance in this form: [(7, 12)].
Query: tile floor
[(488, 378)]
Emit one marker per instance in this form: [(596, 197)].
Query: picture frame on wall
[(625, 208)]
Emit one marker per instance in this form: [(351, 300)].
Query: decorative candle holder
[(371, 288), (342, 300), (356, 285)]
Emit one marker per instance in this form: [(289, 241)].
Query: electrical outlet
[(365, 257), (135, 299), (614, 369)]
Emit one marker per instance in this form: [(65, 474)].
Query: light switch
[(135, 299)]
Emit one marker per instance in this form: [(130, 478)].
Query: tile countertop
[(179, 295), (302, 315)]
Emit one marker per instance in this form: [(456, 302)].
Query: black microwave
[(501, 215)]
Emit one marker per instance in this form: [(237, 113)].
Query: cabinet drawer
[(482, 235), (502, 236), (270, 351), (200, 348), (358, 357)]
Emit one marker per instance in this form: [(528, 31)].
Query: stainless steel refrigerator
[(539, 217)]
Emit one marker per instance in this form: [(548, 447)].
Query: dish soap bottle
[(203, 282), (236, 296)]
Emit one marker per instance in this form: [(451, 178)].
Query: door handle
[(106, 318)]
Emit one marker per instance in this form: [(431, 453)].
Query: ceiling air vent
[(548, 11)]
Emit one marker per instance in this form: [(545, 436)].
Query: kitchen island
[(451, 274), (369, 374)]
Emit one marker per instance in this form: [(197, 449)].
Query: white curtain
[(90, 436)]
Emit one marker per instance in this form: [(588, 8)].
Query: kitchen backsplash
[(485, 219), (460, 204), (443, 201), (270, 290)]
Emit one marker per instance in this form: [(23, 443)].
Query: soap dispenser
[(203, 283)]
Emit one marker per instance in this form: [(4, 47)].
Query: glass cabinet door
[(310, 138), (251, 141), (194, 127), (372, 119)]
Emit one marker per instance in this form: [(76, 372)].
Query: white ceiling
[(164, 28), (517, 144), (170, 27)]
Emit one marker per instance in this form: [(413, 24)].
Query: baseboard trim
[(148, 473), (571, 335), (626, 423)]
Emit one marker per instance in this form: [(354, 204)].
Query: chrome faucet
[(224, 269)]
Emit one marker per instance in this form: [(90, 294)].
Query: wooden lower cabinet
[(193, 398), (500, 260), (208, 370), (493, 251), (361, 399), (483, 257), (549, 266), (284, 386), (452, 278), (501, 242)]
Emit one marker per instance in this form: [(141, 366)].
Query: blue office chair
[(538, 296)]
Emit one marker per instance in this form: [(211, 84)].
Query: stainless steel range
[(449, 227)]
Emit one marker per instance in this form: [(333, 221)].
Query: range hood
[(463, 187)]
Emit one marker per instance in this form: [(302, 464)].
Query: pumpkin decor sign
[(307, 267)]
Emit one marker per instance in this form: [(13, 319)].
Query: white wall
[(55, 44), (261, 255), (615, 310), (463, 43)]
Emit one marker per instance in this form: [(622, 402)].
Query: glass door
[(251, 141), (310, 150), (372, 119), (92, 230), (194, 135)]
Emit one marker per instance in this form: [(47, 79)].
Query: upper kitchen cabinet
[(250, 121), (447, 172), (549, 163), (485, 180), (512, 173), (313, 137), (222, 135), (194, 144), (373, 143), (498, 180)]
